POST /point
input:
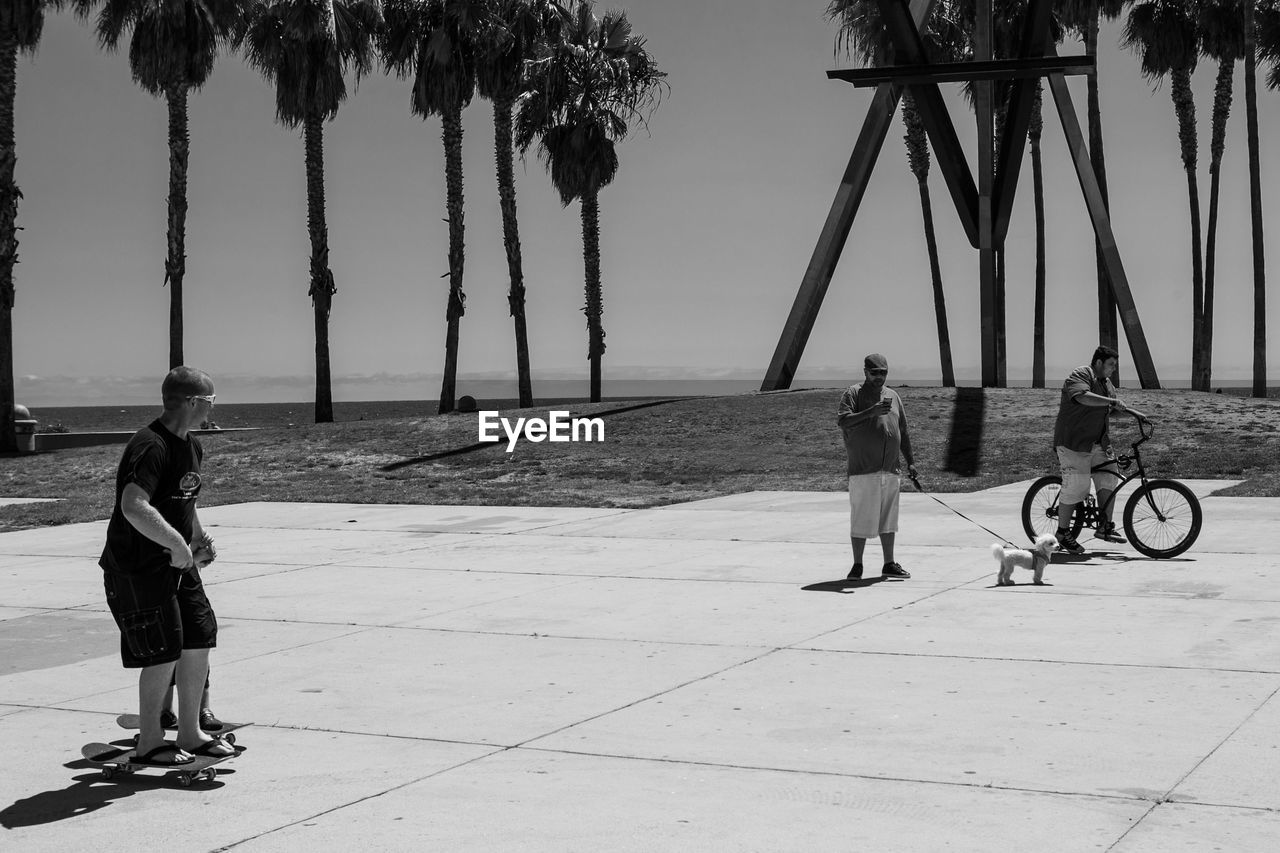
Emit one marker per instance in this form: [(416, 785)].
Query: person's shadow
[(86, 794), (846, 585)]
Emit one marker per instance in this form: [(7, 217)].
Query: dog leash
[(920, 489)]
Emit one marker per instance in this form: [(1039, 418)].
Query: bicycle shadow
[(1085, 559)]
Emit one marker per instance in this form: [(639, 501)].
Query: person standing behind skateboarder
[(874, 426), (1081, 441), (151, 576)]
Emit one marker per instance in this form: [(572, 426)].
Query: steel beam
[(1035, 41), (908, 46), (960, 72), (835, 230), (1142, 361)]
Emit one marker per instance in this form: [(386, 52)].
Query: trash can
[(25, 430)]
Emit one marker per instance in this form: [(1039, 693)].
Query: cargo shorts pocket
[(143, 632)]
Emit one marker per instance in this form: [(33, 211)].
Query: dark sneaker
[(856, 572), (1110, 534), (168, 719), (893, 570), (208, 722), (1068, 543)]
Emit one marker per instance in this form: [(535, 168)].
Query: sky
[(705, 233)]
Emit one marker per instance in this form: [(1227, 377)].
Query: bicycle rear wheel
[(1040, 508), (1162, 518)]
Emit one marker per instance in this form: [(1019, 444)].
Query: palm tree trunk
[(1185, 108), (452, 135), (1108, 324), (322, 287), (175, 265), (595, 301), (1255, 210), (504, 156), (918, 157), (1221, 112), (9, 195), (1037, 182)]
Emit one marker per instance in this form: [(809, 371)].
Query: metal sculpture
[(984, 207)]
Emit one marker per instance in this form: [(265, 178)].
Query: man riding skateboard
[(155, 546)]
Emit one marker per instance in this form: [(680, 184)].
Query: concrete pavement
[(695, 677)]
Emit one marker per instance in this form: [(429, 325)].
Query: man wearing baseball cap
[(874, 426)]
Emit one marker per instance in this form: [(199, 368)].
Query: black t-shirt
[(168, 469)]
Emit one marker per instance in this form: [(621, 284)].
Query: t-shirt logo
[(189, 483)]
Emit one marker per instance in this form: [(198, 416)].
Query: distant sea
[(488, 395), (266, 415)]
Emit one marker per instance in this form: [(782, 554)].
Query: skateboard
[(132, 721), (115, 759)]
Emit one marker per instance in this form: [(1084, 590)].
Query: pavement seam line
[(834, 774), (1164, 798), (356, 802)]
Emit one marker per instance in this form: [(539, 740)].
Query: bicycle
[(1161, 518)]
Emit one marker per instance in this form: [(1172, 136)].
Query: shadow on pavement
[(964, 449), (845, 585), (87, 794)]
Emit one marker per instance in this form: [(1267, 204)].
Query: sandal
[(180, 756), (205, 748)]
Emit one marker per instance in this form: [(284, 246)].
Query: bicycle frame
[(1090, 514)]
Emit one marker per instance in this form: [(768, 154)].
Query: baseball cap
[(875, 360)]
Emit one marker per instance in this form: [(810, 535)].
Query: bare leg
[(193, 668), (1064, 516), (153, 681), (1105, 506), (886, 543)]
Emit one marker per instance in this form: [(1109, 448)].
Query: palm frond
[(307, 47)]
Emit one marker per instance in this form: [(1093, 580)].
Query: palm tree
[(172, 48), (1164, 33), (585, 88), (520, 25), (1262, 32), (917, 142), (1221, 29), (436, 42), (21, 24), (861, 32), (1034, 132), (306, 48)]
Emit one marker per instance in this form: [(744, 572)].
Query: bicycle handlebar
[(1145, 428)]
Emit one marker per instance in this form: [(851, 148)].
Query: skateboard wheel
[(209, 775), (108, 772), (184, 779)]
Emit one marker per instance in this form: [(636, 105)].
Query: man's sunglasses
[(877, 371), (208, 398)]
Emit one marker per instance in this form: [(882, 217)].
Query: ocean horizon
[(488, 394)]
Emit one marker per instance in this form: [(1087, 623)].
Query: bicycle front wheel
[(1040, 508), (1162, 518)]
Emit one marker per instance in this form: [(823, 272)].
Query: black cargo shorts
[(160, 614)]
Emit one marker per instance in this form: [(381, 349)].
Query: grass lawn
[(965, 439)]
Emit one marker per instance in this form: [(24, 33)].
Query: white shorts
[(873, 504), (1077, 472)]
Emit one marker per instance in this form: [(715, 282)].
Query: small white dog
[(1035, 559)]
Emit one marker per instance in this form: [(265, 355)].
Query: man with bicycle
[(1081, 440)]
